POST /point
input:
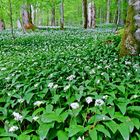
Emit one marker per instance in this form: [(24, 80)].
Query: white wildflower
[(89, 100), (128, 73), (113, 74), (103, 118), (79, 138), (74, 105), (17, 116), (50, 85), (99, 67), (98, 81), (102, 73), (36, 85), (35, 118), (66, 87), (55, 86), (38, 103), (92, 72), (107, 67), (13, 129), (105, 97), (134, 96), (7, 78), (71, 77), (3, 69), (127, 63), (20, 100), (99, 102)]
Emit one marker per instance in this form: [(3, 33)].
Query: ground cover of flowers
[(67, 85)]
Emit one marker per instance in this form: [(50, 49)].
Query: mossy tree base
[(129, 44)]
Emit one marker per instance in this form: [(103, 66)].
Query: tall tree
[(85, 14), (130, 43), (62, 14), (2, 24), (27, 16), (53, 13), (108, 11)]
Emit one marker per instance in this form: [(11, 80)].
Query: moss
[(128, 36)]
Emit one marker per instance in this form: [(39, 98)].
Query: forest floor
[(57, 68)]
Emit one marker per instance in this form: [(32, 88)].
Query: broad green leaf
[(44, 129), (101, 128), (93, 134), (124, 130), (122, 88), (74, 129), (23, 137), (62, 135)]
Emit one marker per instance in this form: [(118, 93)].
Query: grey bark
[(85, 14), (2, 25), (108, 11)]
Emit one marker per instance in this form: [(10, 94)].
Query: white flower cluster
[(66, 87), (81, 138), (89, 100), (71, 77), (92, 72), (51, 85), (74, 105), (20, 100), (13, 129), (38, 103), (127, 63), (99, 102), (105, 97), (17, 116)]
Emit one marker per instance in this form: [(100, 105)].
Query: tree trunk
[(53, 15), (108, 12), (85, 15), (130, 43), (2, 25), (11, 19), (91, 15), (27, 17), (62, 15)]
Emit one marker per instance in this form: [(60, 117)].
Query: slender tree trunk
[(85, 15), (2, 25), (108, 11), (53, 15), (27, 17), (130, 43), (91, 15), (119, 11), (11, 19), (62, 15)]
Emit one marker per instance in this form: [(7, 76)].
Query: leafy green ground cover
[(68, 85)]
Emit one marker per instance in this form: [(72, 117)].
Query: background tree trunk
[(53, 15), (130, 43), (108, 11), (27, 17), (91, 15), (2, 25), (62, 15), (85, 15)]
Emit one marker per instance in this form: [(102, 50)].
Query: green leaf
[(121, 88), (101, 128), (52, 117), (122, 106), (136, 122), (5, 138), (113, 126), (28, 96), (93, 134), (44, 129), (23, 137), (8, 135), (124, 130), (38, 111), (62, 135), (74, 129)]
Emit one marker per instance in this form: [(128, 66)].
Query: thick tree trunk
[(27, 17), (62, 15), (2, 25), (91, 15), (53, 16), (85, 14), (130, 44), (108, 11)]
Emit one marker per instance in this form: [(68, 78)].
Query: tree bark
[(108, 11), (53, 15), (27, 17), (130, 43), (91, 15), (62, 15), (85, 14), (2, 25)]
